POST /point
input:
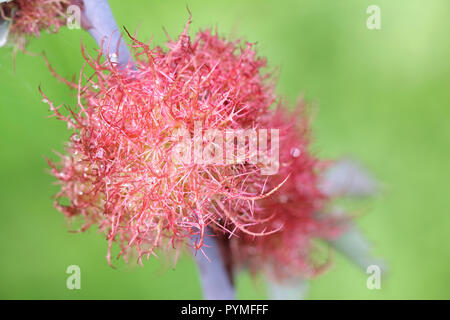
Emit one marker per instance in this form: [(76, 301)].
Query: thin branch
[(349, 179), (99, 21), (216, 283)]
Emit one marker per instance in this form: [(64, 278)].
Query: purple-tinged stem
[(216, 283), (99, 21), (348, 178)]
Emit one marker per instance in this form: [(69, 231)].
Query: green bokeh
[(383, 98)]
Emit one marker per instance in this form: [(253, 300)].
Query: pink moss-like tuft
[(120, 170)]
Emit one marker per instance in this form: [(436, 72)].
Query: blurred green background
[(383, 98)]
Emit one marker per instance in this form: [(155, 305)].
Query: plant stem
[(216, 283), (99, 21)]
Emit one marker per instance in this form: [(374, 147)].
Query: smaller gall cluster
[(31, 17)]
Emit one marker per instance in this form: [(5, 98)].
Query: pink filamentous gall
[(122, 170)]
